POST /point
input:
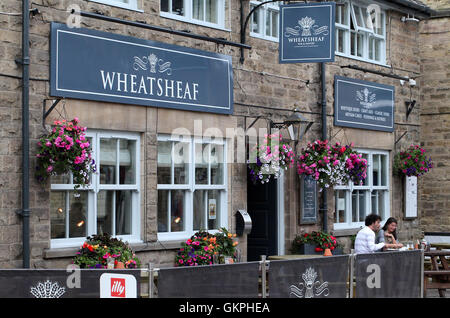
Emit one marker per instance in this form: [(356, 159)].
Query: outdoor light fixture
[(296, 125)]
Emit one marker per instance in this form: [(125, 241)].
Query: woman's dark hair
[(372, 218), (389, 221)]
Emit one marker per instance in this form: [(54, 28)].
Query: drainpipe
[(324, 137), (25, 213)]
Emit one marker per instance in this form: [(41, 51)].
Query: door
[(262, 207)]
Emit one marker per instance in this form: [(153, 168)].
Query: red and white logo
[(118, 287)]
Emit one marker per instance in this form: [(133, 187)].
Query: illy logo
[(118, 287)]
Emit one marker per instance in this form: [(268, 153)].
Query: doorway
[(264, 207)]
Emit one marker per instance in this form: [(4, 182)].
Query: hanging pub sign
[(307, 32), (94, 65), (362, 104)]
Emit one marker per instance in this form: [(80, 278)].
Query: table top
[(437, 253), (440, 245), (294, 256)]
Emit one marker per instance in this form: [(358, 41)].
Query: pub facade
[(168, 117)]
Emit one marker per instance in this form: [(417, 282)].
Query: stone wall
[(261, 87), (435, 122)]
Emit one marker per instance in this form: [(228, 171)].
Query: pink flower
[(49, 168)]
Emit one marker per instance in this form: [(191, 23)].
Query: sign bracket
[(45, 112)]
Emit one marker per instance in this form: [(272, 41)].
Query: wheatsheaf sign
[(307, 33), (94, 65), (363, 104)]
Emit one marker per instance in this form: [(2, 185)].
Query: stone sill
[(137, 247)]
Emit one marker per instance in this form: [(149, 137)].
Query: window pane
[(340, 206), (177, 211), (339, 14), (362, 205), (340, 40), (199, 210), (163, 208), (268, 22), (201, 163), (359, 16), (58, 214), (164, 162), (353, 43), (165, 5), (105, 206), (61, 179), (377, 49), (127, 161), (376, 170), (217, 164), (274, 23), (108, 160), (211, 11), (360, 45), (123, 212), (371, 46), (255, 20), (197, 9), (384, 170), (355, 203), (181, 162), (374, 200), (178, 7), (381, 206), (213, 209), (78, 214)]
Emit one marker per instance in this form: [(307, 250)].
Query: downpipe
[(324, 137)]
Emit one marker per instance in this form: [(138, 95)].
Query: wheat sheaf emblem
[(306, 23), (47, 289), (310, 287)]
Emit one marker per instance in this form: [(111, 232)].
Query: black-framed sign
[(363, 104), (307, 32), (101, 66), (308, 199)]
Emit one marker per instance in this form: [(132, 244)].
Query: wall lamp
[(296, 125)]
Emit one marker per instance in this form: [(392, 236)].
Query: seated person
[(365, 239), (388, 234)]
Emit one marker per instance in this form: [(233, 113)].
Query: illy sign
[(118, 286)]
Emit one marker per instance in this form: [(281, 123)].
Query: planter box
[(309, 249)]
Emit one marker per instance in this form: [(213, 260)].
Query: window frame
[(133, 5), (94, 187), (190, 187), (368, 190), (262, 15), (188, 17), (366, 33)]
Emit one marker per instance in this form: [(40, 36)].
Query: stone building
[(133, 198)]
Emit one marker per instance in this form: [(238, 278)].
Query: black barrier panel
[(58, 283), (388, 274), (308, 278), (217, 281)]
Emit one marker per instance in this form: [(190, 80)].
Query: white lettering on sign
[(374, 279)]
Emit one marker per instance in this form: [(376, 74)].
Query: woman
[(388, 234)]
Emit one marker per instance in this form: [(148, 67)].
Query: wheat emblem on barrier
[(47, 290), (309, 287)]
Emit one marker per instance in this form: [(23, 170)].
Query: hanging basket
[(269, 159), (65, 150)]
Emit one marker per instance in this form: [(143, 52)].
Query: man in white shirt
[(365, 239)]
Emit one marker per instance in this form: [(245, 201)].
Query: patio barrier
[(387, 274)]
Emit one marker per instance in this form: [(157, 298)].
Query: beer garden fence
[(387, 274)]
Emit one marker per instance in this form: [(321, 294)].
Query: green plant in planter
[(96, 250), (320, 239)]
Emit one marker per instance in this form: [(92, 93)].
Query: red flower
[(332, 248), (306, 235), (318, 249)]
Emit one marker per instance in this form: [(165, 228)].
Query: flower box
[(310, 249)]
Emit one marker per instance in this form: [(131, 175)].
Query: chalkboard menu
[(308, 213)]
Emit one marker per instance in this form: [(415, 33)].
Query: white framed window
[(264, 22), (361, 32), (192, 186), (109, 204), (354, 202), (210, 13), (125, 4)]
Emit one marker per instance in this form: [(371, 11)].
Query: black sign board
[(362, 104), (308, 214)]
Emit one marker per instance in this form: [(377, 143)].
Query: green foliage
[(412, 162), (320, 239)]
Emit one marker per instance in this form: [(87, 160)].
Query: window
[(264, 21), (354, 202), (126, 4), (191, 186), (361, 33), (110, 204), (205, 12)]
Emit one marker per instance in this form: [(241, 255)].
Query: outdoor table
[(293, 256), (440, 275)]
